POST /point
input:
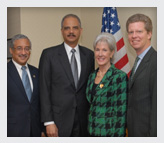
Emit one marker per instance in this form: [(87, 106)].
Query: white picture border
[(78, 3)]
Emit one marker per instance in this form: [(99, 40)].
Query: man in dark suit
[(64, 107), (23, 112), (142, 97)]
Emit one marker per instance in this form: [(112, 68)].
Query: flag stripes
[(110, 23)]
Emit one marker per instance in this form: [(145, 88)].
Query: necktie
[(74, 67), (134, 67), (26, 83)]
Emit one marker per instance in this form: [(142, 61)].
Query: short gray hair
[(107, 38), (70, 15), (17, 37)]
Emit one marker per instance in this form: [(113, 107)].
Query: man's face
[(21, 52), (138, 37), (71, 31)]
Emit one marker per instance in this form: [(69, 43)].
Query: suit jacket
[(142, 98), (23, 116), (108, 102), (59, 97)]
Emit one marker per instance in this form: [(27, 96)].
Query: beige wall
[(13, 21), (42, 26)]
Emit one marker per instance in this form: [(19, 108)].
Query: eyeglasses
[(20, 49)]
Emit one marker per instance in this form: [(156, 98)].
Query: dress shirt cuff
[(48, 123)]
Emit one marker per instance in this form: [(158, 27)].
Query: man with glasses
[(23, 113)]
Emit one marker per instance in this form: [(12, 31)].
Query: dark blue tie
[(74, 67), (26, 83)]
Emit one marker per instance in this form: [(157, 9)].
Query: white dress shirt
[(18, 67), (77, 56)]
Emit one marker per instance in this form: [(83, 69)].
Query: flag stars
[(106, 29), (113, 8), (104, 14), (118, 24), (111, 23), (111, 31), (112, 15)]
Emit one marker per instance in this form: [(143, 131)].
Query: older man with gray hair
[(23, 110)]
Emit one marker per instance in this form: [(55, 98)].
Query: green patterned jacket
[(107, 113)]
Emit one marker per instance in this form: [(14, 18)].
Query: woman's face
[(103, 54)]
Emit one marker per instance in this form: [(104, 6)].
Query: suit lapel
[(16, 78), (144, 61), (83, 59), (65, 63)]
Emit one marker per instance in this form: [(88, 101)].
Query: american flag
[(110, 24)]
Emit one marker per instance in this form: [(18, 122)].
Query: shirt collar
[(18, 66), (68, 48), (141, 56)]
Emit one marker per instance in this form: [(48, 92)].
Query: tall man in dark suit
[(23, 112), (64, 107), (142, 97)]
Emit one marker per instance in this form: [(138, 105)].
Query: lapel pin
[(34, 76), (101, 85)]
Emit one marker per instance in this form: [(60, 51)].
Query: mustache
[(71, 34), (23, 55)]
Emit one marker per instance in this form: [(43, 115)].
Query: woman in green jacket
[(106, 92)]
